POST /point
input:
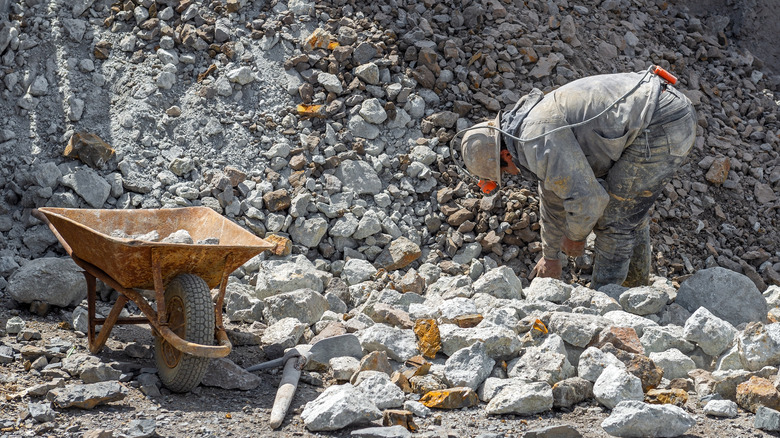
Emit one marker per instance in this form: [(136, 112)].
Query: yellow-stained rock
[(453, 398), (676, 397), (283, 245), (319, 39), (428, 337), (757, 392)]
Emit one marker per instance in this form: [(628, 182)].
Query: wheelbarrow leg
[(91, 298), (108, 324), (96, 343)]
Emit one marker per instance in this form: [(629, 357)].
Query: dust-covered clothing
[(582, 169)]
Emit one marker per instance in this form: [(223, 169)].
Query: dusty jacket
[(569, 162)]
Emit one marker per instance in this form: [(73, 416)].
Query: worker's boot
[(639, 265)]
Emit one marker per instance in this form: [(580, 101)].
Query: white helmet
[(481, 149)]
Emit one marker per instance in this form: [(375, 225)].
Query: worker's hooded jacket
[(568, 162)]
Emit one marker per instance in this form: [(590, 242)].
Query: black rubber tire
[(187, 296)]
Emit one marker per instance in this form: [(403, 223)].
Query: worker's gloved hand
[(547, 268), (572, 248)]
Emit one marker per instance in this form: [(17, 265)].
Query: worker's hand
[(572, 248), (547, 268)]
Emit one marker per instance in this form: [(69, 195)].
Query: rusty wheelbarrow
[(185, 322)]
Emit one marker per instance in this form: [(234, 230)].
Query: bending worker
[(602, 147)]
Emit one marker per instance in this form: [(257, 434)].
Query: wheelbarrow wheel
[(190, 315)]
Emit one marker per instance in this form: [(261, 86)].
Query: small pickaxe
[(296, 358)]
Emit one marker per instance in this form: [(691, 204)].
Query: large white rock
[(547, 362), (548, 289), (721, 408), (661, 338), (709, 332), (759, 345), (359, 177), (620, 318), (530, 398), (576, 328), (615, 385), (279, 276), (469, 366), (593, 362), (674, 363), (500, 342), (305, 305), (643, 300), (399, 344), (357, 271), (378, 388), (638, 419), (337, 407), (500, 282)]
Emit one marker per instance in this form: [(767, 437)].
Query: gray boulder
[(469, 366), (337, 407), (55, 281), (531, 398), (727, 294), (279, 276), (500, 282), (305, 305), (359, 177), (638, 419), (615, 385), (644, 300), (709, 332)]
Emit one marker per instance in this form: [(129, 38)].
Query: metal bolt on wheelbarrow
[(186, 321)]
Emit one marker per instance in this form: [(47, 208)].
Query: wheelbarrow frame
[(233, 256)]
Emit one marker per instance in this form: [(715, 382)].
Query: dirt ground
[(216, 412)]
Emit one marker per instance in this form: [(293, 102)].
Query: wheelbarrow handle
[(42, 217), (275, 362)]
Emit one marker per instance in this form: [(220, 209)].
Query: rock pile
[(328, 123)]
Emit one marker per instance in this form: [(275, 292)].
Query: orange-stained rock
[(319, 39), (283, 245), (428, 337), (676, 397), (757, 392), (468, 321), (644, 368), (623, 338), (393, 417), (417, 366), (399, 254), (402, 382), (719, 171), (453, 398), (374, 361)]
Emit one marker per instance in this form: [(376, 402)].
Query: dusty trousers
[(622, 249)]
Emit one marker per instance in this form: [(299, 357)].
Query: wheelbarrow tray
[(129, 262)]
